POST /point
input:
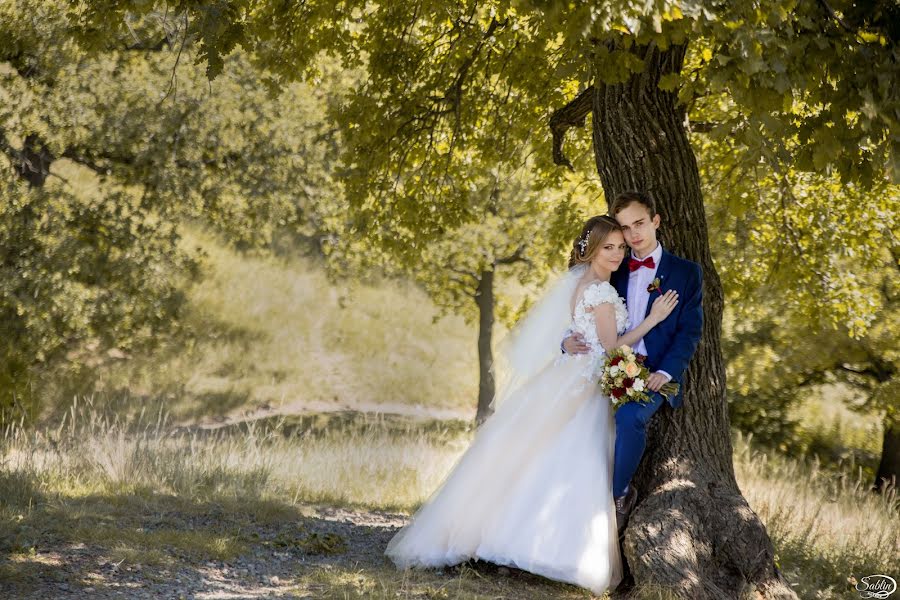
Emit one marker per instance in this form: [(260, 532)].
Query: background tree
[(819, 307), (809, 84), (104, 155), (777, 355), (483, 270)]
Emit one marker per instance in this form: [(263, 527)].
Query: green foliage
[(104, 152), (816, 244), (799, 102), (804, 224), (522, 234), (78, 269), (820, 74), (802, 87), (776, 353)]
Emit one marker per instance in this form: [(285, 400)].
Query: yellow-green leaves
[(669, 82), (93, 249)]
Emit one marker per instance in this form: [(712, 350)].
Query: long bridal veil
[(533, 343)]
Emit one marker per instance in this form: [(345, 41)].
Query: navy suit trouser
[(631, 439)]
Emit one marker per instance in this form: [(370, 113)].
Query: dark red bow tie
[(634, 264)]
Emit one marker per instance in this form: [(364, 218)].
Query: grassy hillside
[(276, 333)]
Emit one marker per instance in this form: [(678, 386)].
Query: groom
[(650, 271)]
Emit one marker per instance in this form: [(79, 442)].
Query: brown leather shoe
[(624, 505)]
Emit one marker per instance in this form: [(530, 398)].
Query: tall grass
[(827, 529), (364, 460)]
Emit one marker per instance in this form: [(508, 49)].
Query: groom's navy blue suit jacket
[(671, 344)]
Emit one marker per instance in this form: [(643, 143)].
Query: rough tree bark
[(692, 530), (484, 298)]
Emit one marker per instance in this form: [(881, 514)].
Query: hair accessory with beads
[(582, 244)]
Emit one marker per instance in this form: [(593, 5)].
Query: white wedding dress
[(534, 489)]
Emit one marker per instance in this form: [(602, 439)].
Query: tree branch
[(177, 60), (869, 375), (517, 256), (454, 95), (150, 46), (836, 16), (85, 161), (571, 115), (701, 126), (460, 278), (32, 162)]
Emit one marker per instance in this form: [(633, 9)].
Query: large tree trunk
[(888, 475), (692, 530), (484, 297)]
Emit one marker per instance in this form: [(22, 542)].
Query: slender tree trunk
[(888, 475), (692, 530), (484, 298)]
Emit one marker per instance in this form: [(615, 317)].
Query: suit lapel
[(662, 273)]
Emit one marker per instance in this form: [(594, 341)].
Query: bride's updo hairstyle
[(592, 235)]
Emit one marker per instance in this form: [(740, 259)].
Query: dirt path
[(331, 554), (277, 561), (307, 407)]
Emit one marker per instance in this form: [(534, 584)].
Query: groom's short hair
[(625, 199)]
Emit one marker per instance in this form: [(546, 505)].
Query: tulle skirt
[(532, 491)]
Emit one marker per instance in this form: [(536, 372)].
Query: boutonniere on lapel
[(655, 286)]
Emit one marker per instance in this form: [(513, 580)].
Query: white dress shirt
[(638, 296)]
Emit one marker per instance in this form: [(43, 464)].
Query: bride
[(534, 488)]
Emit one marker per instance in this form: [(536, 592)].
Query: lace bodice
[(583, 323), (583, 319)]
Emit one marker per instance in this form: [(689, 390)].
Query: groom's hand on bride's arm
[(574, 344)]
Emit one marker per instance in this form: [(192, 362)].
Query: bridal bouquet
[(624, 378)]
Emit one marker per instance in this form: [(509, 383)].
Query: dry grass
[(827, 528), (95, 479), (463, 583)]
